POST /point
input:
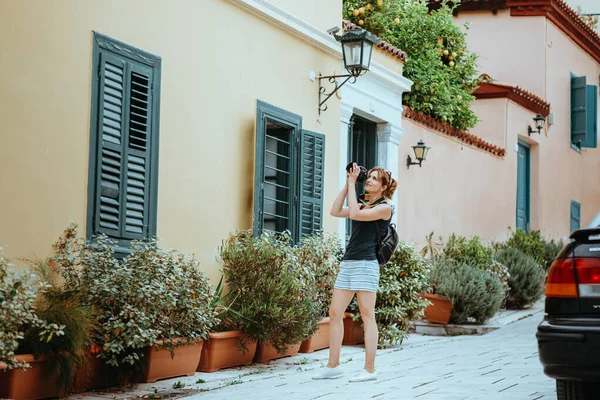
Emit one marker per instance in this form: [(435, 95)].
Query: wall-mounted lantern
[(539, 120), (357, 47), (420, 154)]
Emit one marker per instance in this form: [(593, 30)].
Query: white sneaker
[(364, 376), (329, 373)]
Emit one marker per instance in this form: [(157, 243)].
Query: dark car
[(569, 336)]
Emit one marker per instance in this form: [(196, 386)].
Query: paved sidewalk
[(502, 364)]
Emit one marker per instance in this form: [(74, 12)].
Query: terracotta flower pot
[(266, 352), (96, 374), (319, 340), (440, 309), (36, 382), (161, 365), (224, 350), (353, 331)]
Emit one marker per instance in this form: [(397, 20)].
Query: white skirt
[(358, 275)]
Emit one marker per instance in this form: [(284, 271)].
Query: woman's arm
[(338, 209), (383, 211)]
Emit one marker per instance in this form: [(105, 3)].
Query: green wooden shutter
[(575, 215), (578, 109), (591, 117), (312, 166), (137, 150), (109, 172), (125, 125)]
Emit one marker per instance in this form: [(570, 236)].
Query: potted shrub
[(23, 375), (274, 291), (401, 280), (475, 294), (322, 254), (526, 280), (226, 346), (459, 250), (153, 300)]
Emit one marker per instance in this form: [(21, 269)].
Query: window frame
[(126, 52), (289, 120), (578, 206)]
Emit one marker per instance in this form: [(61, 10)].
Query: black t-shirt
[(363, 240)]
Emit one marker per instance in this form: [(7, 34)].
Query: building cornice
[(465, 137), (524, 98)]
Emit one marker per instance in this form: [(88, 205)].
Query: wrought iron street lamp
[(539, 120), (420, 154), (357, 47)]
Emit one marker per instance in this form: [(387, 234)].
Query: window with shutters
[(289, 174), (575, 215), (584, 113), (122, 188)]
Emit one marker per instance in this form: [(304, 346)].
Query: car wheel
[(576, 390)]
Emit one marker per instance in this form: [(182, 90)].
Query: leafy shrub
[(274, 290), (401, 280), (475, 294), (534, 245), (443, 70), (153, 294), (18, 291), (476, 254), (526, 277), (551, 250), (321, 253)]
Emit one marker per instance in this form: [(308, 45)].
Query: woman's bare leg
[(339, 302), (366, 305)]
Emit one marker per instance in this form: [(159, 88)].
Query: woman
[(359, 271)]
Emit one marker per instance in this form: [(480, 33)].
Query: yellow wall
[(323, 14), (217, 60)]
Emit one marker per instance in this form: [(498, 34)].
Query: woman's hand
[(353, 175)]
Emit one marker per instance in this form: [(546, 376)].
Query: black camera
[(362, 175)]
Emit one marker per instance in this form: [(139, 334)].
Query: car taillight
[(561, 279), (588, 275)]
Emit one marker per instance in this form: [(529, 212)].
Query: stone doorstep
[(428, 328), (502, 318)]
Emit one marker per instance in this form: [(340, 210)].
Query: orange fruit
[(361, 22)]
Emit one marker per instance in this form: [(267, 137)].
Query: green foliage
[(401, 280), (526, 277), (322, 254), (68, 352), (18, 291), (534, 245), (473, 252), (178, 385), (275, 291), (443, 70), (475, 294), (153, 294)]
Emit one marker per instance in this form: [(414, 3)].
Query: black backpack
[(386, 243)]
